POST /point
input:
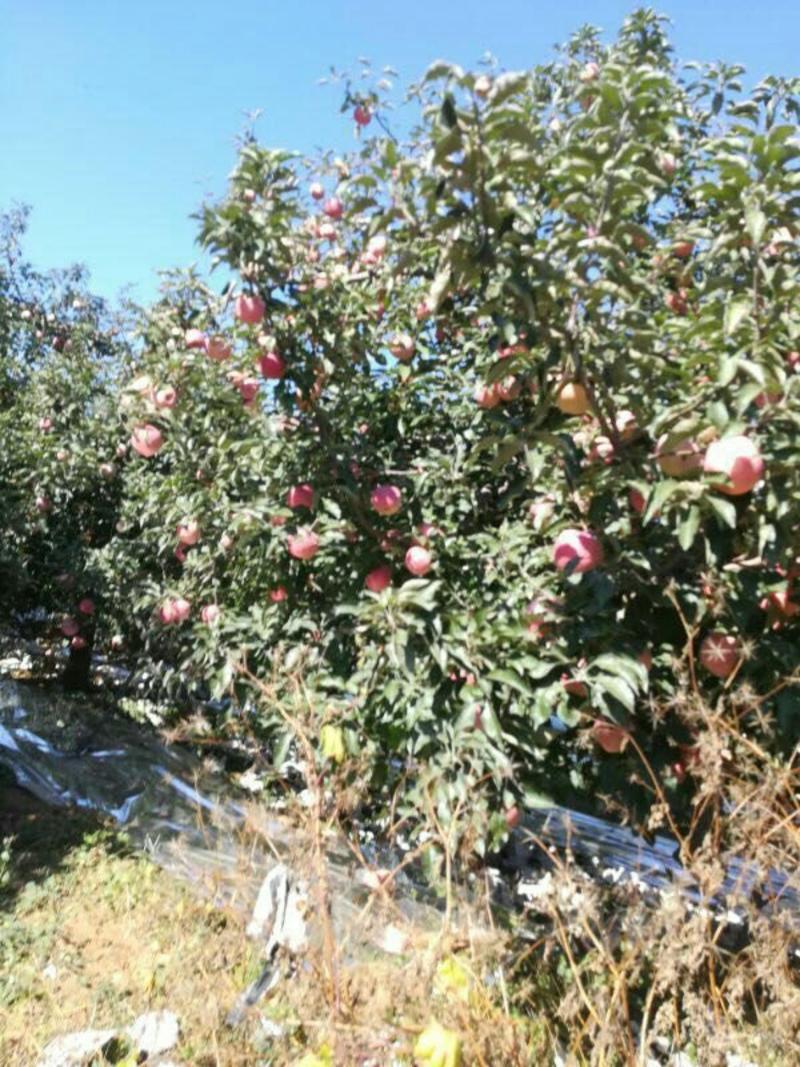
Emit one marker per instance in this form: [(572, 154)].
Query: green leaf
[(687, 531), (725, 509), (736, 310), (755, 222), (618, 688)]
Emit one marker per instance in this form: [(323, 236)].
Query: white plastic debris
[(394, 940), (71, 1050), (279, 912), (271, 1029), (154, 1032)]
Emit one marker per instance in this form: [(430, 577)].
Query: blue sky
[(117, 118)]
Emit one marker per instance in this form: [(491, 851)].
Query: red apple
[(379, 578), (386, 499), (402, 347), (195, 339), (188, 532), (303, 545), (418, 560), (300, 496), (147, 440), (513, 816), (218, 349), (719, 653), (45, 425), (637, 501), (580, 550), (362, 115), (86, 606), (278, 594), (271, 365), (166, 397), (69, 626), (486, 396), (739, 459), (210, 613), (333, 208), (249, 308), (248, 390)]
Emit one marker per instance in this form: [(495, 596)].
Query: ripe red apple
[(580, 550), (271, 365), (508, 388), (188, 532), (402, 347), (379, 578), (680, 459), (386, 499), (683, 249), (117, 642), (427, 529), (303, 545), (316, 190), (610, 737), (676, 302), (300, 496), (78, 643), (333, 208), (637, 501), (166, 397), (86, 606), (590, 72), (486, 396), (45, 425), (738, 458), (779, 607), (43, 504), (107, 470), (513, 816), (69, 626), (194, 339), (218, 349), (278, 594), (249, 308), (147, 440), (719, 653), (210, 613), (248, 390), (362, 115), (418, 560)]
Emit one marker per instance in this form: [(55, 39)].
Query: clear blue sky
[(116, 118)]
